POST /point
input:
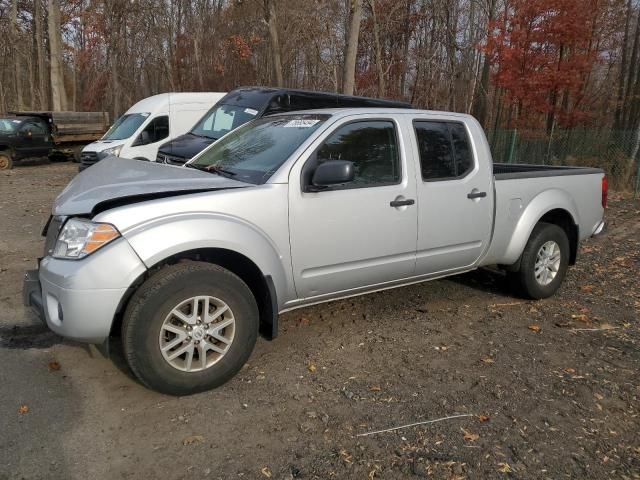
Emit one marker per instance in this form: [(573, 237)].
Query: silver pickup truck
[(191, 263)]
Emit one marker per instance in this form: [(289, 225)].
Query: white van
[(139, 132)]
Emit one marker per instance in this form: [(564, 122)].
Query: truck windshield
[(9, 125), (221, 119), (254, 152), (125, 126)]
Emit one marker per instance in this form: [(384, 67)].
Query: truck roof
[(261, 97), (343, 112)]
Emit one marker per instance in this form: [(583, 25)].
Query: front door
[(454, 198), (35, 140), (358, 234)]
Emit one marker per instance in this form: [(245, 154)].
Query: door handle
[(473, 195), (402, 203)]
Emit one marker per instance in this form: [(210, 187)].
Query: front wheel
[(544, 262), (6, 162), (189, 328)]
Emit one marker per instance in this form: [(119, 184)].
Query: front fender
[(541, 204), (163, 237)]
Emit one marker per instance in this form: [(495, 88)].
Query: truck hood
[(117, 181), (186, 146)]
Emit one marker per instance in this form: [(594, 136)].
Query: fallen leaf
[(587, 288), (346, 456), (598, 396), (472, 437), (581, 318), (534, 327), (312, 367), (23, 409), (488, 360), (483, 418), (266, 471), (504, 468), (375, 388), (193, 439), (54, 366), (570, 370)]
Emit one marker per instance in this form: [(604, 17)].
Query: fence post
[(512, 147)]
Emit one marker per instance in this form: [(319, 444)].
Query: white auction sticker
[(251, 111), (300, 123)]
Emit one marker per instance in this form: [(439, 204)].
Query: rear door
[(454, 197), (358, 234)]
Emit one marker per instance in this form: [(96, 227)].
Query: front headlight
[(78, 238), (110, 151)]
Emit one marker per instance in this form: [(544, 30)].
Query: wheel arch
[(551, 206), (262, 286)]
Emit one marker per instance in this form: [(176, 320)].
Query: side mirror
[(331, 172)]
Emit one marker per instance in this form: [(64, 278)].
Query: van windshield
[(125, 126), (221, 119), (254, 152)]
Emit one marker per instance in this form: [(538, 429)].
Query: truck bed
[(508, 171)]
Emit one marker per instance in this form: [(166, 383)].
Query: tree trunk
[(58, 93), (271, 19), (378, 47), (349, 71), (480, 107), (17, 62), (43, 91)]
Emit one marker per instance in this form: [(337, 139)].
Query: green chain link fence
[(604, 149)]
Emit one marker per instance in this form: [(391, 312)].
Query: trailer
[(59, 136)]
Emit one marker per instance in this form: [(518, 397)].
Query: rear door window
[(445, 150)]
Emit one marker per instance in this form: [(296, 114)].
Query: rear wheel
[(6, 162), (189, 328), (544, 262)]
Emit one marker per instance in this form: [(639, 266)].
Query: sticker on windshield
[(251, 111), (301, 123), (15, 121), (144, 114)]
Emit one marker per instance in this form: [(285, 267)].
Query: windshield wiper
[(212, 169), (202, 136), (219, 170)]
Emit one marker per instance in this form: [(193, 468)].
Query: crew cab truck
[(191, 263), (57, 135)]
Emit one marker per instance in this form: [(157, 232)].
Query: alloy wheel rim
[(547, 263), (197, 333)]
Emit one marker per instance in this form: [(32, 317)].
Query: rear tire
[(544, 262), (6, 162), (157, 326)]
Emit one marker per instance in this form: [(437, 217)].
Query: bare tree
[(58, 92), (17, 61), (349, 71), (271, 19)]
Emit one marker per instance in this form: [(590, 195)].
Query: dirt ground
[(551, 389)]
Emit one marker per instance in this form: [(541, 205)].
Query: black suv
[(247, 103)]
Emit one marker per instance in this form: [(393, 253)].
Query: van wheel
[(189, 328), (6, 162), (544, 262)]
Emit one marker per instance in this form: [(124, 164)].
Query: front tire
[(544, 262), (189, 328), (6, 162)]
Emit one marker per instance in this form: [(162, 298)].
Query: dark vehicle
[(57, 135), (248, 103)]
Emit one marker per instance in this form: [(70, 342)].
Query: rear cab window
[(444, 149)]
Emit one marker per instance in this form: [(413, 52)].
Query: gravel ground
[(550, 389)]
